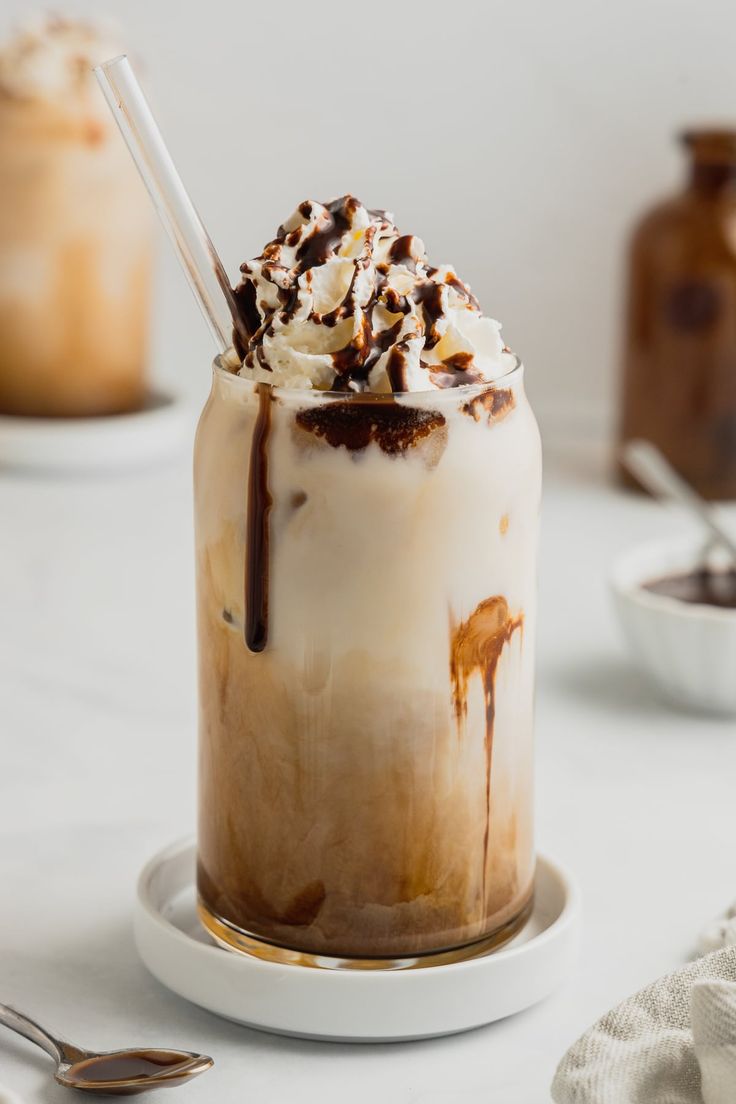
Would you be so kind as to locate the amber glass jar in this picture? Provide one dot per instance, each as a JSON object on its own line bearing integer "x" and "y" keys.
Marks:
{"x": 680, "y": 355}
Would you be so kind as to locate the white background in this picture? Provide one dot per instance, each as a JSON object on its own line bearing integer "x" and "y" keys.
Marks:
{"x": 519, "y": 139}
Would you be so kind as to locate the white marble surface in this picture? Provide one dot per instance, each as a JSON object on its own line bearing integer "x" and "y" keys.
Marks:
{"x": 98, "y": 771}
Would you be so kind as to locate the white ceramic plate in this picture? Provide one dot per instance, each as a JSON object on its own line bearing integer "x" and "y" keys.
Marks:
{"x": 92, "y": 444}
{"x": 350, "y": 1005}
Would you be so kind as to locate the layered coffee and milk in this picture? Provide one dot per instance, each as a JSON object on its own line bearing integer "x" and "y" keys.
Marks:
{"x": 367, "y": 479}
{"x": 74, "y": 232}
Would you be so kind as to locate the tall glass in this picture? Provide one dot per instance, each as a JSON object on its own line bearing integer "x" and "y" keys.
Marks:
{"x": 75, "y": 261}
{"x": 366, "y": 613}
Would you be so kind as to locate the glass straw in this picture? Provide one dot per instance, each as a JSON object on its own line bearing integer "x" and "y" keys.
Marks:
{"x": 197, "y": 255}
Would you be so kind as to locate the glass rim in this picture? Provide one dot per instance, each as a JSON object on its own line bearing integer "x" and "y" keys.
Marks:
{"x": 309, "y": 394}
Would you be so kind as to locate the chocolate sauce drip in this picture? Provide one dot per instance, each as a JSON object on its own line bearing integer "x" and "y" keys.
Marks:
{"x": 395, "y": 303}
{"x": 323, "y": 243}
{"x": 396, "y": 368}
{"x": 429, "y": 297}
{"x": 353, "y": 425}
{"x": 455, "y": 282}
{"x": 257, "y": 528}
{"x": 476, "y": 646}
{"x": 703, "y": 587}
{"x": 495, "y": 402}
{"x": 463, "y": 290}
{"x": 354, "y": 362}
{"x": 401, "y": 252}
{"x": 245, "y": 297}
{"x": 454, "y": 371}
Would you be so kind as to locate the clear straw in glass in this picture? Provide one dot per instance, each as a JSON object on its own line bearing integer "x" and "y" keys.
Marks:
{"x": 198, "y": 257}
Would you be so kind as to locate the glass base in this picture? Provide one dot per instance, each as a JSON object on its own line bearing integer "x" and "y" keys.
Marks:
{"x": 234, "y": 939}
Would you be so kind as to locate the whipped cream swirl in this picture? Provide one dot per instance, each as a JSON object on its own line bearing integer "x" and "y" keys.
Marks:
{"x": 340, "y": 300}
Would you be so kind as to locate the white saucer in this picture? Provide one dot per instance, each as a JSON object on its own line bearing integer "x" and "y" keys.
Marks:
{"x": 91, "y": 444}
{"x": 350, "y": 1005}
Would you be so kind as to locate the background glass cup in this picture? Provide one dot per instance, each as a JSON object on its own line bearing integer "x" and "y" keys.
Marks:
{"x": 75, "y": 260}
{"x": 366, "y": 777}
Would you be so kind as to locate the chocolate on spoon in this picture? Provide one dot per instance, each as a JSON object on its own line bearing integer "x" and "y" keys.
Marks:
{"x": 114, "y": 1072}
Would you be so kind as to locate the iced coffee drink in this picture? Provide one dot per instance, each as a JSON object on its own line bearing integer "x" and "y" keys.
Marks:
{"x": 367, "y": 480}
{"x": 74, "y": 233}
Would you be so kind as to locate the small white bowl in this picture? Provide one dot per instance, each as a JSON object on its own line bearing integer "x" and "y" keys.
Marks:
{"x": 688, "y": 649}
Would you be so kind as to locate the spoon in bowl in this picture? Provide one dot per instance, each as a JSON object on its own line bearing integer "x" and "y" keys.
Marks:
{"x": 657, "y": 475}
{"x": 112, "y": 1072}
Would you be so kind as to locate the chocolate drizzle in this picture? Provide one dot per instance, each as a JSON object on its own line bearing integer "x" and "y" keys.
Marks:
{"x": 323, "y": 243}
{"x": 432, "y": 301}
{"x": 405, "y": 251}
{"x": 391, "y": 277}
{"x": 354, "y": 362}
{"x": 397, "y": 368}
{"x": 455, "y": 371}
{"x": 257, "y": 528}
{"x": 245, "y": 298}
{"x": 476, "y": 647}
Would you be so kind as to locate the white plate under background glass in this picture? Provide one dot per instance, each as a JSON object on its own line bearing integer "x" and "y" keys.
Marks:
{"x": 116, "y": 441}
{"x": 350, "y": 1005}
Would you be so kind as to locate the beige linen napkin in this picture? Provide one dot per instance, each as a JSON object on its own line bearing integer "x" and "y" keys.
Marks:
{"x": 673, "y": 1042}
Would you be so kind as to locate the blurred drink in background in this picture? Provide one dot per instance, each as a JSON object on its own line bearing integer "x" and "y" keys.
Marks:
{"x": 75, "y": 248}
{"x": 680, "y": 355}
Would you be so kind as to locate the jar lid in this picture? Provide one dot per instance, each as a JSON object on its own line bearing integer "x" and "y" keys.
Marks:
{"x": 715, "y": 145}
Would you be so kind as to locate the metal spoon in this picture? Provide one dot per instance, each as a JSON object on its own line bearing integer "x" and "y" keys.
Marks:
{"x": 654, "y": 472}
{"x": 112, "y": 1072}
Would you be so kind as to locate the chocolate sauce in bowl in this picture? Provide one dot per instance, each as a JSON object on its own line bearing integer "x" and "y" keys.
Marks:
{"x": 702, "y": 587}
{"x": 257, "y": 528}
